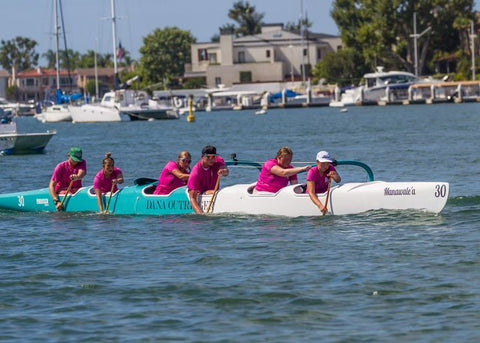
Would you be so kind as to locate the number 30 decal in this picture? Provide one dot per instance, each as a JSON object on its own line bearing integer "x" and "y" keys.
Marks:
{"x": 440, "y": 191}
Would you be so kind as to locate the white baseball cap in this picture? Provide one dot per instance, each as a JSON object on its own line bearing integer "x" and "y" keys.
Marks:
{"x": 323, "y": 156}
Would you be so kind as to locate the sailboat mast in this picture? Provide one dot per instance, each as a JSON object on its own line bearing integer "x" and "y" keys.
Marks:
{"x": 114, "y": 33}
{"x": 57, "y": 45}
{"x": 302, "y": 33}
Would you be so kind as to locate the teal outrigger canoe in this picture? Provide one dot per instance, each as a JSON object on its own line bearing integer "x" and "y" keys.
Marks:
{"x": 137, "y": 199}
{"x": 349, "y": 198}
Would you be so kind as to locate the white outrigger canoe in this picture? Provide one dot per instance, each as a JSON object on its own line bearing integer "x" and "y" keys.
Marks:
{"x": 291, "y": 201}
{"x": 350, "y": 198}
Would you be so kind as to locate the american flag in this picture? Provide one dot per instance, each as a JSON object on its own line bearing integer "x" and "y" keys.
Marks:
{"x": 120, "y": 51}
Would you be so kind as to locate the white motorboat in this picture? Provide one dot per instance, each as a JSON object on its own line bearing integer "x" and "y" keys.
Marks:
{"x": 95, "y": 113}
{"x": 12, "y": 142}
{"x": 138, "y": 105}
{"x": 17, "y": 107}
{"x": 54, "y": 114}
{"x": 378, "y": 86}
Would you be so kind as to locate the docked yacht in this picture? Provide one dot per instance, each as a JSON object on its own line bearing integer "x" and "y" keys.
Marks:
{"x": 106, "y": 111}
{"x": 378, "y": 86}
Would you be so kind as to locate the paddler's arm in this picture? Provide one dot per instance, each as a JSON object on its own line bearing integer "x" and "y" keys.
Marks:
{"x": 335, "y": 176}
{"x": 193, "y": 195}
{"x": 180, "y": 175}
{"x": 98, "y": 192}
{"x": 313, "y": 196}
{"x": 119, "y": 179}
{"x": 80, "y": 174}
{"x": 223, "y": 171}
{"x": 54, "y": 195}
{"x": 287, "y": 172}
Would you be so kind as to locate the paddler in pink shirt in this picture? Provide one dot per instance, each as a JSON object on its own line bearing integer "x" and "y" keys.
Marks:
{"x": 278, "y": 172}
{"x": 73, "y": 169}
{"x": 319, "y": 177}
{"x": 175, "y": 174}
{"x": 107, "y": 179}
{"x": 204, "y": 175}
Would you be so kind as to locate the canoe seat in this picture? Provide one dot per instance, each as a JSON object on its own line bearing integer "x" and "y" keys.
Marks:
{"x": 300, "y": 189}
{"x": 149, "y": 189}
{"x": 91, "y": 191}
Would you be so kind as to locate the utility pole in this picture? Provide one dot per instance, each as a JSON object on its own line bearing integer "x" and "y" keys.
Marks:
{"x": 415, "y": 37}
{"x": 472, "y": 38}
{"x": 302, "y": 33}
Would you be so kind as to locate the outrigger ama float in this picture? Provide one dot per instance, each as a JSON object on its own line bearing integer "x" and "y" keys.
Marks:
{"x": 291, "y": 201}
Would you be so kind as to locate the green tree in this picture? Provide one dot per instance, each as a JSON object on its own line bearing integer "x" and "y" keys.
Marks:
{"x": 164, "y": 55}
{"x": 67, "y": 61}
{"x": 88, "y": 60}
{"x": 18, "y": 54}
{"x": 50, "y": 57}
{"x": 341, "y": 68}
{"x": 380, "y": 31}
{"x": 296, "y": 27}
{"x": 248, "y": 20}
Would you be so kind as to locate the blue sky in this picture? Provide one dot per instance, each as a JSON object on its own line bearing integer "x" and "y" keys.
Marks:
{"x": 88, "y": 27}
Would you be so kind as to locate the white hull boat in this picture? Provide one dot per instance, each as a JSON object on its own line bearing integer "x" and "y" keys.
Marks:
{"x": 89, "y": 113}
{"x": 54, "y": 114}
{"x": 380, "y": 87}
{"x": 349, "y": 198}
{"x": 12, "y": 142}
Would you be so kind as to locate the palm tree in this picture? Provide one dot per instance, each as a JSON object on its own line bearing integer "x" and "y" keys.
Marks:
{"x": 249, "y": 21}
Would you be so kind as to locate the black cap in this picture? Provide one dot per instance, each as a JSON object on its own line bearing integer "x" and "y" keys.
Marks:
{"x": 209, "y": 150}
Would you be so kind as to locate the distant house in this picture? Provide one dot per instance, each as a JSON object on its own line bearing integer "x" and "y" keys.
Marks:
{"x": 274, "y": 55}
{"x": 106, "y": 78}
{"x": 39, "y": 84}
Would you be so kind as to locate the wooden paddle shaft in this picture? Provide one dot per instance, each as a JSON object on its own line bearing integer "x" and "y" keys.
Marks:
{"x": 66, "y": 193}
{"x": 217, "y": 185}
{"x": 328, "y": 195}
{"x": 110, "y": 198}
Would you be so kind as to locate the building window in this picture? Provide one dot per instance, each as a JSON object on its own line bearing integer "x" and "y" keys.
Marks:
{"x": 268, "y": 53}
{"x": 64, "y": 81}
{"x": 218, "y": 81}
{"x": 213, "y": 58}
{"x": 241, "y": 57}
{"x": 245, "y": 76}
{"x": 304, "y": 52}
{"x": 202, "y": 55}
{"x": 30, "y": 82}
{"x": 45, "y": 81}
{"x": 319, "y": 54}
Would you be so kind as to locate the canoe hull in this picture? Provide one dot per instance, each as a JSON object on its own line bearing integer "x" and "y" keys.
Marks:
{"x": 127, "y": 201}
{"x": 350, "y": 198}
{"x": 291, "y": 201}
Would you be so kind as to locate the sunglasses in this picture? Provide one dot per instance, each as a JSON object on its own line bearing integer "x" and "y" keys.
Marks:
{"x": 186, "y": 160}
{"x": 210, "y": 156}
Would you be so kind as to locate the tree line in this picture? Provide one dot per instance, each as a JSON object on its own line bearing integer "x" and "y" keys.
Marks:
{"x": 374, "y": 33}
{"x": 380, "y": 33}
